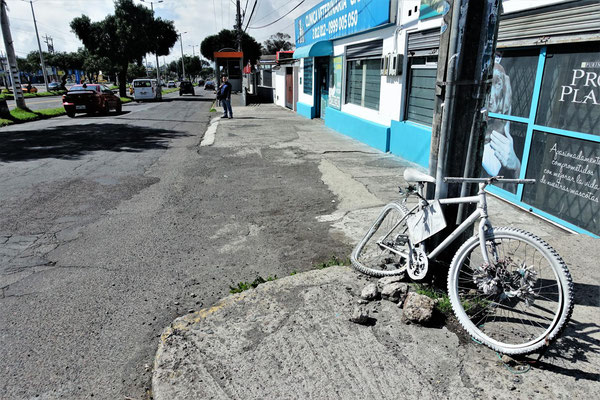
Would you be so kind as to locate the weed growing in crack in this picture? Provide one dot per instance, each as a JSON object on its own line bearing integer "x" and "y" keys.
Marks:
{"x": 242, "y": 286}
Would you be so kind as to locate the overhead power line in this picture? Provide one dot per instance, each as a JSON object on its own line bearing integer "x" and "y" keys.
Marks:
{"x": 251, "y": 14}
{"x": 278, "y": 19}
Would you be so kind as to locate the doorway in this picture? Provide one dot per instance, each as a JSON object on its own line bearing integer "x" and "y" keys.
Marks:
{"x": 289, "y": 88}
{"x": 322, "y": 87}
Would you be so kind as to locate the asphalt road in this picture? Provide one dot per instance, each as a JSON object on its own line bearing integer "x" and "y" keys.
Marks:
{"x": 37, "y": 103}
{"x": 111, "y": 227}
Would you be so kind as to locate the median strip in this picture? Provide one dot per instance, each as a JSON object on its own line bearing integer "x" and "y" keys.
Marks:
{"x": 19, "y": 115}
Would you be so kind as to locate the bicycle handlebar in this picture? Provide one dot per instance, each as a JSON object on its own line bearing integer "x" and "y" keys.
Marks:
{"x": 487, "y": 180}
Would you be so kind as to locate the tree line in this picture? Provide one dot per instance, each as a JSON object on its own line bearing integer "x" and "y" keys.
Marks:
{"x": 117, "y": 45}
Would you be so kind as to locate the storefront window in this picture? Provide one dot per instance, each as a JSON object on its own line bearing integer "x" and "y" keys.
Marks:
{"x": 308, "y": 75}
{"x": 567, "y": 171}
{"x": 503, "y": 150}
{"x": 421, "y": 89}
{"x": 363, "y": 83}
{"x": 570, "y": 93}
{"x": 513, "y": 81}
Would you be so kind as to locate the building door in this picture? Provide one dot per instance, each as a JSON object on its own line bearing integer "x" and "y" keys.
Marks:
{"x": 322, "y": 87}
{"x": 289, "y": 88}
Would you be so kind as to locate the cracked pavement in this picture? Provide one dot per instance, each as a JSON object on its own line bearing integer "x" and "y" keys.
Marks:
{"x": 111, "y": 227}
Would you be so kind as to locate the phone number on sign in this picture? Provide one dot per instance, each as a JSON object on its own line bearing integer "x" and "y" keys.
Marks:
{"x": 340, "y": 23}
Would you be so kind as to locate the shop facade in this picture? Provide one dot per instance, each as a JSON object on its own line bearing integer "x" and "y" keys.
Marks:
{"x": 376, "y": 82}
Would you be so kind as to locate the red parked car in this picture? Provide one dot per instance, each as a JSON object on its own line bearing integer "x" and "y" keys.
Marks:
{"x": 90, "y": 98}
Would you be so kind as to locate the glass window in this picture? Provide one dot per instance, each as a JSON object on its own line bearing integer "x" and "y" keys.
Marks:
{"x": 363, "y": 83}
{"x": 570, "y": 94}
{"x": 308, "y": 75}
{"x": 142, "y": 84}
{"x": 567, "y": 173}
{"x": 513, "y": 80}
{"x": 503, "y": 150}
{"x": 421, "y": 89}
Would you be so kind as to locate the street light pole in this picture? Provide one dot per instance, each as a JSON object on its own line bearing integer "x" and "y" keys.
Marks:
{"x": 193, "y": 46}
{"x": 182, "y": 63}
{"x": 37, "y": 35}
{"x": 158, "y": 86}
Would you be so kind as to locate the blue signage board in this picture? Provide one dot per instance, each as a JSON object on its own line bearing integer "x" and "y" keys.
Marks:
{"x": 332, "y": 19}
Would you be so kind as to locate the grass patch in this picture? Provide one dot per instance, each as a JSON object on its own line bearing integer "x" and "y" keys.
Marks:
{"x": 243, "y": 286}
{"x": 10, "y": 96}
{"x": 125, "y": 100}
{"x": 51, "y": 112}
{"x": 167, "y": 91}
{"x": 21, "y": 115}
{"x": 443, "y": 301}
{"x": 443, "y": 305}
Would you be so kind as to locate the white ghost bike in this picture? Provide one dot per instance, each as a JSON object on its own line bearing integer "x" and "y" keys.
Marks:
{"x": 508, "y": 288}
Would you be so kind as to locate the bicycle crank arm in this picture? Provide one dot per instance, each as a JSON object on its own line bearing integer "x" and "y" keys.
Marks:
{"x": 388, "y": 248}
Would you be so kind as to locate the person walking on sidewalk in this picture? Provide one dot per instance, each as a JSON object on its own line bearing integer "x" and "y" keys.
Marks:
{"x": 224, "y": 94}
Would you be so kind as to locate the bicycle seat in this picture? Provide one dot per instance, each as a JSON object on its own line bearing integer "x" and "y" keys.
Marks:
{"x": 412, "y": 175}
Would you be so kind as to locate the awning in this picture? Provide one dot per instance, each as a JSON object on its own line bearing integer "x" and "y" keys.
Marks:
{"x": 318, "y": 49}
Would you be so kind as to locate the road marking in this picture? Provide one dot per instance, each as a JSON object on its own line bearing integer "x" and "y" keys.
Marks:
{"x": 209, "y": 135}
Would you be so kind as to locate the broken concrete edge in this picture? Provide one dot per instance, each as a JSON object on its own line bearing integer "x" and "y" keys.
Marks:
{"x": 185, "y": 322}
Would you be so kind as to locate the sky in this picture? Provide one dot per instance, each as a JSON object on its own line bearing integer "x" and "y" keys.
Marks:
{"x": 199, "y": 18}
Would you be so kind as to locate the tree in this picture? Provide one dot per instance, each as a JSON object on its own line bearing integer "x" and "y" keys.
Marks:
{"x": 227, "y": 39}
{"x": 277, "y": 42}
{"x": 126, "y": 37}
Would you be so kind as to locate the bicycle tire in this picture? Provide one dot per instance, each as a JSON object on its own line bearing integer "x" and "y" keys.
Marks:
{"x": 370, "y": 258}
{"x": 486, "y": 303}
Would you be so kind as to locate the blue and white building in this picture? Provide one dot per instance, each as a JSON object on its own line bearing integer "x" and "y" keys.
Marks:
{"x": 368, "y": 69}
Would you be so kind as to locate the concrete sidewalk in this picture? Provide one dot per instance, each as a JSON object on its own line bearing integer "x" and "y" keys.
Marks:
{"x": 292, "y": 338}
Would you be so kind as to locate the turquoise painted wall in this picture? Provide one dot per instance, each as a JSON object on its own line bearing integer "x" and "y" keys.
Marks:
{"x": 375, "y": 135}
{"x": 305, "y": 110}
{"x": 411, "y": 142}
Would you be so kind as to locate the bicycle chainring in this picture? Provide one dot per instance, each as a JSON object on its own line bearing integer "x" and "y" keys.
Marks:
{"x": 419, "y": 264}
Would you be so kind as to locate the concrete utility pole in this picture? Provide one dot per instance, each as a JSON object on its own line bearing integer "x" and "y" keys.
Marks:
{"x": 37, "y": 35}
{"x": 465, "y": 67}
{"x": 182, "y": 63}
{"x": 238, "y": 25}
{"x": 11, "y": 58}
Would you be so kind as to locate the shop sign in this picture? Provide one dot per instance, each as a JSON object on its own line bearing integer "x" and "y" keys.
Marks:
{"x": 332, "y": 19}
{"x": 335, "y": 91}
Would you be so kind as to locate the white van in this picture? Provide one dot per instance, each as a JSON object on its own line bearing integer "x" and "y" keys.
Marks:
{"x": 146, "y": 89}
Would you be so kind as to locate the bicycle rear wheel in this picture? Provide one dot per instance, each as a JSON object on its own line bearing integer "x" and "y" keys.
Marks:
{"x": 519, "y": 303}
{"x": 385, "y": 248}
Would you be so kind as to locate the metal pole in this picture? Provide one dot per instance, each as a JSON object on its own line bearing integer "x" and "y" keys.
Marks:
{"x": 239, "y": 25}
{"x": 158, "y": 86}
{"x": 10, "y": 56}
{"x": 39, "y": 46}
{"x": 182, "y": 63}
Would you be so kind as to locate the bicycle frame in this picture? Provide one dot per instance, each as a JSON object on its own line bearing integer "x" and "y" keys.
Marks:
{"x": 480, "y": 213}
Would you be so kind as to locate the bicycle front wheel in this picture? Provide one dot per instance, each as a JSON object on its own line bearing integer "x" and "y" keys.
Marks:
{"x": 518, "y": 302}
{"x": 385, "y": 248}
